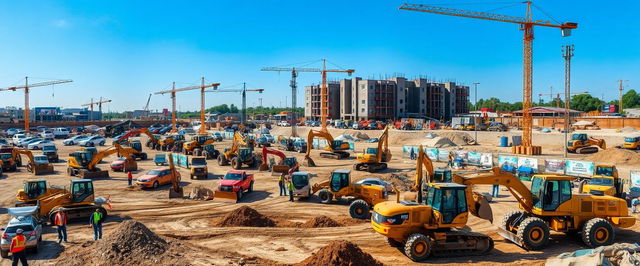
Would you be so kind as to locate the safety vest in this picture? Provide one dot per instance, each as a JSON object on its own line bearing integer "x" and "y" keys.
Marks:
{"x": 97, "y": 217}
{"x": 18, "y": 243}
{"x": 280, "y": 178}
{"x": 290, "y": 186}
{"x": 60, "y": 219}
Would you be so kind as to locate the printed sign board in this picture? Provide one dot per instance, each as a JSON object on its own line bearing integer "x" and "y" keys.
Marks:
{"x": 555, "y": 166}
{"x": 635, "y": 179}
{"x": 432, "y": 154}
{"x": 508, "y": 163}
{"x": 443, "y": 155}
{"x": 486, "y": 160}
{"x": 528, "y": 162}
{"x": 474, "y": 158}
{"x": 579, "y": 168}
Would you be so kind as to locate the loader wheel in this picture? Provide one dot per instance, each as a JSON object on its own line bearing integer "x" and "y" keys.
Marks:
{"x": 534, "y": 233}
{"x": 598, "y": 232}
{"x": 222, "y": 160}
{"x": 394, "y": 243}
{"x": 359, "y": 209}
{"x": 509, "y": 218}
{"x": 250, "y": 187}
{"x": 70, "y": 171}
{"x": 235, "y": 163}
{"x": 325, "y": 196}
{"x": 418, "y": 247}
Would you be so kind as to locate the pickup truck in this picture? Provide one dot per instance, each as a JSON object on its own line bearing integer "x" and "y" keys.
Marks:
{"x": 236, "y": 181}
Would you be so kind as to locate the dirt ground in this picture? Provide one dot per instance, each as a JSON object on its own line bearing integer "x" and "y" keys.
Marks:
{"x": 190, "y": 222}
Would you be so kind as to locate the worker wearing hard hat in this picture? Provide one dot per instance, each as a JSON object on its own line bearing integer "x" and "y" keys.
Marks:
{"x": 18, "y": 247}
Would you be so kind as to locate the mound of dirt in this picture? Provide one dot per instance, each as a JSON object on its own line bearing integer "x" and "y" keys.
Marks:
{"x": 627, "y": 130}
{"x": 360, "y": 135}
{"x": 340, "y": 253}
{"x": 458, "y": 138}
{"x": 320, "y": 221}
{"x": 201, "y": 193}
{"x": 615, "y": 156}
{"x": 245, "y": 216}
{"x": 439, "y": 142}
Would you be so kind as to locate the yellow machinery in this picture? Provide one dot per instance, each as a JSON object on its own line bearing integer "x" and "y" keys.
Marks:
{"x": 604, "y": 182}
{"x": 428, "y": 227}
{"x": 176, "y": 190}
{"x": 339, "y": 186}
{"x": 336, "y": 149}
{"x": 35, "y": 190}
{"x": 375, "y": 159}
{"x": 581, "y": 143}
{"x": 240, "y": 152}
{"x": 37, "y": 165}
{"x": 83, "y": 165}
{"x": 285, "y": 165}
{"x": 77, "y": 202}
{"x": 168, "y": 143}
{"x": 632, "y": 142}
{"x": 196, "y": 145}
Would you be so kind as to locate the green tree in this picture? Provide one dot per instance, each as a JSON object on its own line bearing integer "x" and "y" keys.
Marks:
{"x": 631, "y": 99}
{"x": 585, "y": 103}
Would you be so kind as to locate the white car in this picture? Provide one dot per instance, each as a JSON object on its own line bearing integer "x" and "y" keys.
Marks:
{"x": 93, "y": 141}
{"x": 61, "y": 133}
{"x": 284, "y": 124}
{"x": 40, "y": 159}
{"x": 74, "y": 140}
{"x": 26, "y": 141}
{"x": 388, "y": 187}
{"x": 38, "y": 145}
{"x": 17, "y": 138}
{"x": 47, "y": 135}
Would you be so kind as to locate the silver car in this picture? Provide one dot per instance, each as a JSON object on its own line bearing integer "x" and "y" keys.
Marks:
{"x": 376, "y": 182}
{"x": 22, "y": 218}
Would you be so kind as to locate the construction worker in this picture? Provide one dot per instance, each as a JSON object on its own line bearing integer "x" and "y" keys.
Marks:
{"x": 634, "y": 205}
{"x": 18, "y": 247}
{"x": 60, "y": 220}
{"x": 130, "y": 178}
{"x": 450, "y": 159}
{"x": 290, "y": 188}
{"x": 96, "y": 222}
{"x": 283, "y": 190}
{"x": 412, "y": 155}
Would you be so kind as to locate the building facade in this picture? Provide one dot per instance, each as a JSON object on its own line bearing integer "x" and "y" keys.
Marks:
{"x": 313, "y": 98}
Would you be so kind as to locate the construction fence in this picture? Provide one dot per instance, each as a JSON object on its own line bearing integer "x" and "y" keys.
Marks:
{"x": 318, "y": 143}
{"x": 558, "y": 122}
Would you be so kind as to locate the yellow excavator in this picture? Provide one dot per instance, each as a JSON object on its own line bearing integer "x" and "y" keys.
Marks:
{"x": 197, "y": 144}
{"x": 34, "y": 190}
{"x": 83, "y": 164}
{"x": 176, "y": 190}
{"x": 429, "y": 225}
{"x": 38, "y": 164}
{"x": 240, "y": 152}
{"x": 581, "y": 143}
{"x": 77, "y": 202}
{"x": 375, "y": 159}
{"x": 632, "y": 142}
{"x": 339, "y": 186}
{"x": 336, "y": 149}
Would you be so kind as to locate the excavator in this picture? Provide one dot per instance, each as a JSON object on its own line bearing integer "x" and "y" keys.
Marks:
{"x": 171, "y": 143}
{"x": 429, "y": 226}
{"x": 83, "y": 165}
{"x": 38, "y": 164}
{"x": 581, "y": 143}
{"x": 285, "y": 165}
{"x": 336, "y": 149}
{"x": 152, "y": 142}
{"x": 375, "y": 159}
{"x": 240, "y": 152}
{"x": 339, "y": 186}
{"x": 35, "y": 190}
{"x": 176, "y": 190}
{"x": 77, "y": 202}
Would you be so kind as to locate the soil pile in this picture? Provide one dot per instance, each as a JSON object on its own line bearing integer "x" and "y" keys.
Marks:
{"x": 201, "y": 193}
{"x": 340, "y": 253}
{"x": 439, "y": 142}
{"x": 245, "y": 216}
{"x": 400, "y": 180}
{"x": 615, "y": 156}
{"x": 458, "y": 138}
{"x": 320, "y": 221}
{"x": 627, "y": 130}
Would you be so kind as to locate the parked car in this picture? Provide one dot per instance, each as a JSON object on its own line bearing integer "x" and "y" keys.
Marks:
{"x": 12, "y": 131}
{"x": 217, "y": 136}
{"x": 262, "y": 141}
{"x": 155, "y": 178}
{"x": 4, "y": 142}
{"x": 269, "y": 138}
{"x": 51, "y": 152}
{"x": 41, "y": 128}
{"x": 118, "y": 165}
{"x": 93, "y": 141}
{"x": 74, "y": 140}
{"x": 61, "y": 133}
{"x": 38, "y": 145}
{"x": 376, "y": 182}
{"x": 497, "y": 126}
{"x": 24, "y": 143}
{"x": 22, "y": 218}
{"x": 47, "y": 134}
{"x": 164, "y": 130}
{"x": 187, "y": 131}
{"x": 17, "y": 138}
{"x": 284, "y": 124}
{"x": 481, "y": 127}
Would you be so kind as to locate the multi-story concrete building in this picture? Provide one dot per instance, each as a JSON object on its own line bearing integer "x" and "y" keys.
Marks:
{"x": 313, "y": 98}
{"x": 456, "y": 98}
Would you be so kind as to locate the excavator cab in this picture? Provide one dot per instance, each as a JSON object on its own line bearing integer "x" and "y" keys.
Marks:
{"x": 448, "y": 201}
{"x": 339, "y": 145}
{"x": 340, "y": 179}
{"x": 442, "y": 176}
{"x": 244, "y": 153}
{"x": 35, "y": 188}
{"x": 82, "y": 158}
{"x": 290, "y": 161}
{"x": 82, "y": 190}
{"x": 372, "y": 151}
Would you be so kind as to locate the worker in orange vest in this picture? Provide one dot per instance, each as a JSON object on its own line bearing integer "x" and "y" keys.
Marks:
{"x": 18, "y": 247}
{"x": 130, "y": 178}
{"x": 60, "y": 220}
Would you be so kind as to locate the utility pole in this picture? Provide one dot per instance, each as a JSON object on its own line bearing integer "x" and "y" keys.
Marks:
{"x": 475, "y": 105}
{"x": 567, "y": 53}
{"x": 294, "y": 89}
{"x": 621, "y": 89}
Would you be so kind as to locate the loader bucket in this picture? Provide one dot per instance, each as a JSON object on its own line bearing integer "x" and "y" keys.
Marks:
{"x": 93, "y": 174}
{"x": 226, "y": 196}
{"x": 43, "y": 169}
{"x": 308, "y": 162}
{"x": 483, "y": 209}
{"x": 176, "y": 194}
{"x": 263, "y": 166}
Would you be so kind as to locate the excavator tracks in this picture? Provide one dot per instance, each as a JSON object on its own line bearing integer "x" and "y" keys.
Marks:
{"x": 461, "y": 243}
{"x": 334, "y": 155}
{"x": 587, "y": 150}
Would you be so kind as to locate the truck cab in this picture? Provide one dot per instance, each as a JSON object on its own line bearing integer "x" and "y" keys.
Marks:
{"x": 198, "y": 167}
{"x": 301, "y": 186}
{"x": 632, "y": 142}
{"x": 234, "y": 184}
{"x": 604, "y": 182}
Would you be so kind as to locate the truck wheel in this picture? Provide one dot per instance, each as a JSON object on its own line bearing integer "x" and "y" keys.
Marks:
{"x": 325, "y": 196}
{"x": 359, "y": 209}
{"x": 417, "y": 247}
{"x": 70, "y": 171}
{"x": 509, "y": 218}
{"x": 250, "y": 187}
{"x": 235, "y": 163}
{"x": 598, "y": 232}
{"x": 239, "y": 195}
{"x": 393, "y": 243}
{"x": 534, "y": 233}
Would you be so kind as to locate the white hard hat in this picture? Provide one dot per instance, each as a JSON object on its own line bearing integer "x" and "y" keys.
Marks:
{"x": 19, "y": 231}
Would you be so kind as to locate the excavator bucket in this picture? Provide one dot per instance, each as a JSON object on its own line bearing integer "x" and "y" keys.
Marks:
{"x": 226, "y": 196}
{"x": 308, "y": 162}
{"x": 176, "y": 194}
{"x": 263, "y": 166}
{"x": 482, "y": 207}
{"x": 41, "y": 169}
{"x": 83, "y": 173}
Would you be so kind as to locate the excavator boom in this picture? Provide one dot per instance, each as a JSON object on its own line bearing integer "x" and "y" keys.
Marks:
{"x": 334, "y": 152}
{"x": 32, "y": 166}
{"x": 495, "y": 176}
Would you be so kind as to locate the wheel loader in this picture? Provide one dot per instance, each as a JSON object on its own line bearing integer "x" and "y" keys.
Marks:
{"x": 83, "y": 165}
{"x": 38, "y": 164}
{"x": 35, "y": 190}
{"x": 375, "y": 159}
{"x": 196, "y": 145}
{"x": 581, "y": 143}
{"x": 77, "y": 202}
{"x": 240, "y": 152}
{"x": 339, "y": 186}
{"x": 336, "y": 149}
{"x": 604, "y": 182}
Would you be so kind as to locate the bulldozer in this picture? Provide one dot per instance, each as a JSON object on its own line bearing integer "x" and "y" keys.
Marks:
{"x": 83, "y": 165}
{"x": 339, "y": 186}
{"x": 336, "y": 149}
{"x": 285, "y": 165}
{"x": 196, "y": 145}
{"x": 176, "y": 190}
{"x": 581, "y": 143}
{"x": 8, "y": 162}
{"x": 33, "y": 191}
{"x": 375, "y": 159}
{"x": 604, "y": 182}
{"x": 38, "y": 164}
{"x": 240, "y": 152}
{"x": 632, "y": 142}
{"x": 77, "y": 202}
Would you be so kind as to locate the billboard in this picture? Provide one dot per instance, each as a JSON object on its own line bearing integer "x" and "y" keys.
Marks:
{"x": 508, "y": 163}
{"x": 555, "y": 166}
{"x": 579, "y": 168}
{"x": 528, "y": 162}
{"x": 432, "y": 154}
{"x": 635, "y": 179}
{"x": 443, "y": 155}
{"x": 486, "y": 159}
{"x": 474, "y": 158}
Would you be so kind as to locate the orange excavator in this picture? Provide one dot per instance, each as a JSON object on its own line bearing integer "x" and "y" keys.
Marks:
{"x": 336, "y": 149}
{"x": 151, "y": 142}
{"x": 83, "y": 164}
{"x": 285, "y": 165}
{"x": 38, "y": 164}
{"x": 176, "y": 190}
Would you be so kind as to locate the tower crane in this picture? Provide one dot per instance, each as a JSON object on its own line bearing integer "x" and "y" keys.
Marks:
{"x": 146, "y": 106}
{"x": 173, "y": 91}
{"x": 526, "y": 25}
{"x": 98, "y": 103}
{"x": 324, "y": 92}
{"x": 244, "y": 91}
{"x": 26, "y": 88}
{"x": 558, "y": 96}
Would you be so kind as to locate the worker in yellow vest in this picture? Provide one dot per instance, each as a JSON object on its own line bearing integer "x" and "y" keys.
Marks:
{"x": 18, "y": 247}
{"x": 96, "y": 222}
{"x": 281, "y": 184}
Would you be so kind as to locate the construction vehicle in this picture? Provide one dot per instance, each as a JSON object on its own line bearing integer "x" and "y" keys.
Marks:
{"x": 240, "y": 152}
{"x": 604, "y": 182}
{"x": 137, "y": 145}
{"x": 9, "y": 162}
{"x": 33, "y": 191}
{"x": 152, "y": 140}
{"x": 301, "y": 187}
{"x": 198, "y": 167}
{"x": 176, "y": 190}
{"x": 38, "y": 164}
{"x": 375, "y": 159}
{"x": 286, "y": 164}
{"x": 337, "y": 149}
{"x": 339, "y": 186}
{"x": 83, "y": 165}
{"x": 581, "y": 143}
{"x": 233, "y": 185}
{"x": 171, "y": 143}
{"x": 51, "y": 152}
{"x": 196, "y": 145}
{"x": 77, "y": 202}
{"x": 632, "y": 142}
{"x": 292, "y": 144}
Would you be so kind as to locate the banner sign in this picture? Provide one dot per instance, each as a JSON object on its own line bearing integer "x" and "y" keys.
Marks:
{"x": 528, "y": 163}
{"x": 474, "y": 158}
{"x": 635, "y": 179}
{"x": 432, "y": 154}
{"x": 486, "y": 159}
{"x": 406, "y": 151}
{"x": 508, "y": 163}
{"x": 579, "y": 168}
{"x": 443, "y": 155}
{"x": 460, "y": 155}
{"x": 555, "y": 166}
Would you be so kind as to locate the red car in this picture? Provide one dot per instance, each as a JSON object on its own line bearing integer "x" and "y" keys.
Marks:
{"x": 235, "y": 183}
{"x": 122, "y": 165}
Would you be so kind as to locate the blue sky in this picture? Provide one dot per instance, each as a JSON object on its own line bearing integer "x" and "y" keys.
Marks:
{"x": 124, "y": 50}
